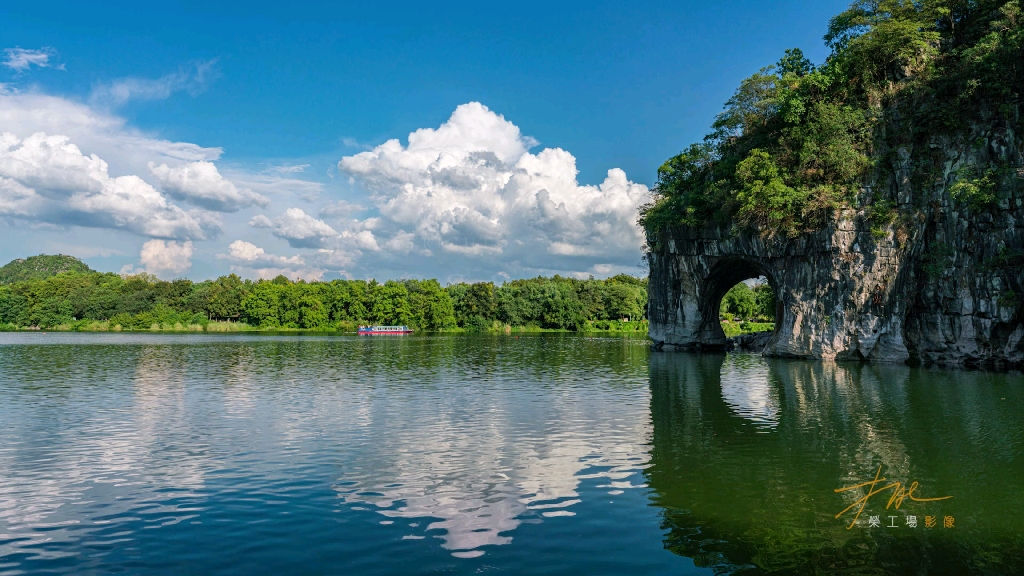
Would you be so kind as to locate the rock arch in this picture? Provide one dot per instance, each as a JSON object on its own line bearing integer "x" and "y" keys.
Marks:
{"x": 840, "y": 293}
{"x": 724, "y": 273}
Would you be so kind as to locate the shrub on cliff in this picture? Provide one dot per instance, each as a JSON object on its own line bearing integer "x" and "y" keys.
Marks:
{"x": 796, "y": 142}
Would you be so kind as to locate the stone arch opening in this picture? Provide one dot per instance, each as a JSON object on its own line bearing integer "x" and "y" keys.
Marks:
{"x": 720, "y": 279}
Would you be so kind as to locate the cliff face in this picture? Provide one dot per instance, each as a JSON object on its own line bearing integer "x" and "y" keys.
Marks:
{"x": 943, "y": 284}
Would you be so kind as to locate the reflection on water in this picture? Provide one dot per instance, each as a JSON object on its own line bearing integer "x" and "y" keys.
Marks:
{"x": 487, "y": 458}
{"x": 745, "y": 388}
{"x": 446, "y": 444}
{"x": 741, "y": 500}
{"x": 464, "y": 454}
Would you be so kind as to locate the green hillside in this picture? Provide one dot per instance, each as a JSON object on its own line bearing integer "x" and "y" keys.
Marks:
{"x": 40, "y": 267}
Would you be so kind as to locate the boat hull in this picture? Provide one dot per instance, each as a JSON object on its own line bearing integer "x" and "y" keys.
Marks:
{"x": 393, "y": 331}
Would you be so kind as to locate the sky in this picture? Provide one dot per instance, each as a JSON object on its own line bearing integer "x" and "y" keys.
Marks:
{"x": 462, "y": 142}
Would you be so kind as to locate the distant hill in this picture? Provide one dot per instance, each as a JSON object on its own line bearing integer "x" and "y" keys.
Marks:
{"x": 40, "y": 267}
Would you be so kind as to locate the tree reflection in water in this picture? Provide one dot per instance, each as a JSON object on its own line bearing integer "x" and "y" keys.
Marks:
{"x": 747, "y": 454}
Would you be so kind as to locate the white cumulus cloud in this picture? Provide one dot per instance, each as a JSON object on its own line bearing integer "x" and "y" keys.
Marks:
{"x": 471, "y": 188}
{"x": 250, "y": 260}
{"x": 126, "y": 149}
{"x": 97, "y": 173}
{"x": 300, "y": 229}
{"x": 249, "y": 253}
{"x": 294, "y": 274}
{"x": 166, "y": 259}
{"x": 200, "y": 183}
{"x": 473, "y": 197}
{"x": 336, "y": 259}
{"x": 47, "y": 178}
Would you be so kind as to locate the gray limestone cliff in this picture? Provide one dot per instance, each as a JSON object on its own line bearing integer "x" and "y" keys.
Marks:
{"x": 942, "y": 284}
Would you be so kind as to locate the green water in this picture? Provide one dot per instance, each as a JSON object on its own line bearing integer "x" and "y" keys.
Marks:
{"x": 467, "y": 454}
{"x": 747, "y": 454}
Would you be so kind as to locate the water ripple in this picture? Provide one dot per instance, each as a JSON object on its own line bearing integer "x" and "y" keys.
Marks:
{"x": 242, "y": 445}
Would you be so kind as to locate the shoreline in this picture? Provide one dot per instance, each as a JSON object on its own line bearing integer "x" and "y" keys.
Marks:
{"x": 215, "y": 327}
{"x": 731, "y": 329}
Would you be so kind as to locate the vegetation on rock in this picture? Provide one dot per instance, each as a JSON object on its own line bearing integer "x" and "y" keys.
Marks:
{"x": 798, "y": 142}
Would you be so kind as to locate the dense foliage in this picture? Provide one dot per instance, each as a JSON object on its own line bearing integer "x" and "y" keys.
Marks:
{"x": 132, "y": 302}
{"x": 745, "y": 303}
{"x": 564, "y": 303}
{"x": 796, "y": 142}
{"x": 142, "y": 301}
{"x": 40, "y": 267}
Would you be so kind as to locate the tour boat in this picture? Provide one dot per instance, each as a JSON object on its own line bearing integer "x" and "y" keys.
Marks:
{"x": 379, "y": 330}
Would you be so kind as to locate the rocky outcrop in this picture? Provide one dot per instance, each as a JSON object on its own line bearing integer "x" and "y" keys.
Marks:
{"x": 755, "y": 342}
{"x": 941, "y": 285}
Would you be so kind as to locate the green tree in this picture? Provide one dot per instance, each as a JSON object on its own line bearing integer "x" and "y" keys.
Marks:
{"x": 625, "y": 301}
{"x": 40, "y": 267}
{"x": 139, "y": 301}
{"x": 226, "y": 294}
{"x": 51, "y": 311}
{"x": 391, "y": 304}
{"x": 591, "y": 294}
{"x": 475, "y": 304}
{"x": 261, "y": 306}
{"x": 739, "y": 301}
{"x": 520, "y": 303}
{"x": 431, "y": 307}
{"x": 765, "y": 298}
{"x": 562, "y": 307}
{"x": 312, "y": 311}
{"x": 13, "y": 307}
{"x": 361, "y": 300}
{"x": 102, "y": 302}
{"x": 765, "y": 201}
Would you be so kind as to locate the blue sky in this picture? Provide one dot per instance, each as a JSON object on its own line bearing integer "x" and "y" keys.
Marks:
{"x": 252, "y": 138}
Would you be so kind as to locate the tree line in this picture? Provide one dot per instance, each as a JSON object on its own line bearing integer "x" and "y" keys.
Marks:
{"x": 77, "y": 300}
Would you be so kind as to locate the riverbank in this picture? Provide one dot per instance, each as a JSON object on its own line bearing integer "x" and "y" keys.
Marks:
{"x": 732, "y": 329}
{"x": 601, "y": 326}
{"x": 106, "y": 326}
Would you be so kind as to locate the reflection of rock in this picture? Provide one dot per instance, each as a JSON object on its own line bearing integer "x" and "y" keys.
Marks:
{"x": 735, "y": 498}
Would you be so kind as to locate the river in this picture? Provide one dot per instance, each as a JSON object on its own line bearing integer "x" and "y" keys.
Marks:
{"x": 551, "y": 453}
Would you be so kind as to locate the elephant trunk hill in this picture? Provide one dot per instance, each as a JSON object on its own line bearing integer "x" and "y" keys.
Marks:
{"x": 880, "y": 195}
